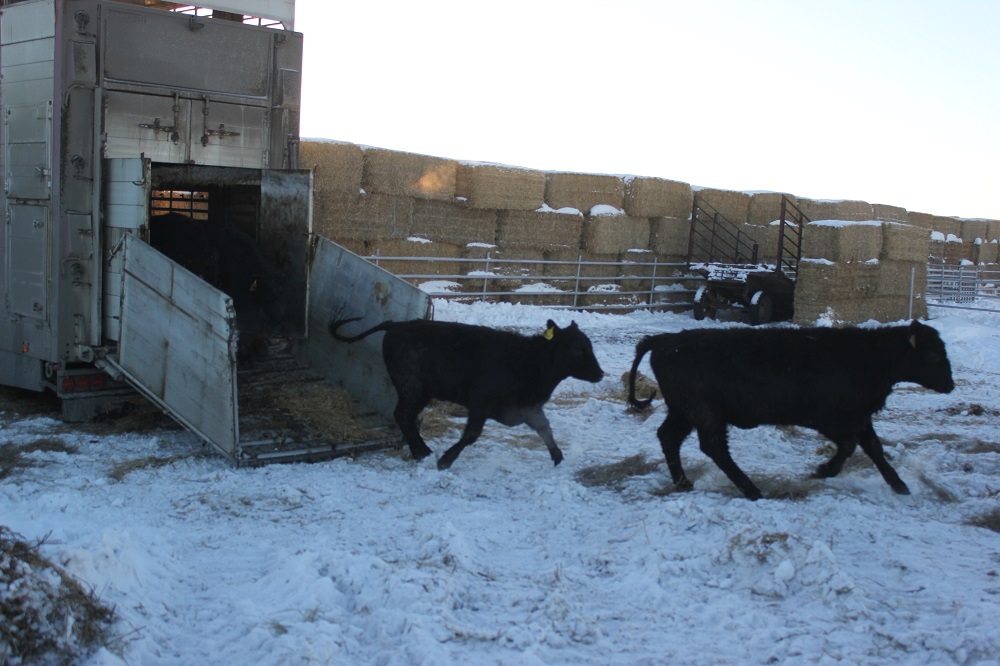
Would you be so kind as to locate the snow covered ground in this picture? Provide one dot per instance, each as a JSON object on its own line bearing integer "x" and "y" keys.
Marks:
{"x": 506, "y": 559}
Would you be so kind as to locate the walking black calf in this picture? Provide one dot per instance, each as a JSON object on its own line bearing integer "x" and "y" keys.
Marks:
{"x": 497, "y": 375}
{"x": 830, "y": 380}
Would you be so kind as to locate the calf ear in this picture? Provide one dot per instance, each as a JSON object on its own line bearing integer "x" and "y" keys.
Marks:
{"x": 915, "y": 329}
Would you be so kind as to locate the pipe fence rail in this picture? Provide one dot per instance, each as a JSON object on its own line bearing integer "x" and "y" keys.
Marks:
{"x": 577, "y": 285}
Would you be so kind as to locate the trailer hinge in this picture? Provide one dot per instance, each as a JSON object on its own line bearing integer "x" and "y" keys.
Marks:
{"x": 157, "y": 127}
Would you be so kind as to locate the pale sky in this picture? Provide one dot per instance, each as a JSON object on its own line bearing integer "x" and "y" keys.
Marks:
{"x": 888, "y": 101}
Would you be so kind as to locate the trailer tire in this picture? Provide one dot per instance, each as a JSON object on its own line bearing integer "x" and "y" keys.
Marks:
{"x": 761, "y": 308}
{"x": 701, "y": 307}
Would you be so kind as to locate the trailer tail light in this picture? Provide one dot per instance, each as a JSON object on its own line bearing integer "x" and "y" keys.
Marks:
{"x": 80, "y": 383}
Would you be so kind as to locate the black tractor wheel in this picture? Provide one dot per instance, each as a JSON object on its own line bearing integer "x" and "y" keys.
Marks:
{"x": 761, "y": 308}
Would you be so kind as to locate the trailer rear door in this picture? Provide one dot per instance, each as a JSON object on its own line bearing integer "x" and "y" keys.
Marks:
{"x": 177, "y": 344}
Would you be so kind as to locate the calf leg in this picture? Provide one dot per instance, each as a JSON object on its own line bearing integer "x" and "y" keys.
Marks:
{"x": 871, "y": 445}
{"x": 715, "y": 444}
{"x": 473, "y": 428}
{"x": 672, "y": 434}
{"x": 406, "y": 414}
{"x": 538, "y": 422}
{"x": 845, "y": 447}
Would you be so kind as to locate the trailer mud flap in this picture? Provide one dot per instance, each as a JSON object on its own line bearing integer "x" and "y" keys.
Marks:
{"x": 177, "y": 344}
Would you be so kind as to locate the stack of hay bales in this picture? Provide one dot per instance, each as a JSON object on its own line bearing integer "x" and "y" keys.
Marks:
{"x": 732, "y": 205}
{"x": 337, "y": 167}
{"x": 853, "y": 272}
{"x": 583, "y": 191}
{"x": 608, "y": 235}
{"x": 846, "y": 211}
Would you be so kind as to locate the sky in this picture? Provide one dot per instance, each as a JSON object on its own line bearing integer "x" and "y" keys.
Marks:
{"x": 887, "y": 101}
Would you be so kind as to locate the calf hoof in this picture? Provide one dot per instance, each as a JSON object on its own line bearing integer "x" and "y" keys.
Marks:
{"x": 420, "y": 454}
{"x": 683, "y": 485}
{"x": 901, "y": 488}
{"x": 557, "y": 457}
{"x": 444, "y": 463}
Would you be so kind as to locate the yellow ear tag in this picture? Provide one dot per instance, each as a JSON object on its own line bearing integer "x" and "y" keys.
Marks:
{"x": 549, "y": 333}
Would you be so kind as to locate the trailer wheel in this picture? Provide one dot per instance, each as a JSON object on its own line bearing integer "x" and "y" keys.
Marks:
{"x": 761, "y": 308}
{"x": 701, "y": 306}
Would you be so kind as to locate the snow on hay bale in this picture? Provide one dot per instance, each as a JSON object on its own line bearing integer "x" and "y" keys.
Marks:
{"x": 542, "y": 229}
{"x": 656, "y": 197}
{"x": 837, "y": 240}
{"x": 765, "y": 207}
{"x": 732, "y": 205}
{"x": 905, "y": 242}
{"x": 971, "y": 230}
{"x": 409, "y": 174}
{"x": 499, "y": 187}
{"x": 886, "y": 213}
{"x": 609, "y": 230}
{"x": 446, "y": 222}
{"x": 370, "y": 217}
{"x": 945, "y": 225}
{"x": 669, "y": 237}
{"x": 583, "y": 191}
{"x": 337, "y": 166}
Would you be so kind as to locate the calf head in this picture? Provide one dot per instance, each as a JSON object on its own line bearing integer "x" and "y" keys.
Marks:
{"x": 572, "y": 352}
{"x": 927, "y": 360}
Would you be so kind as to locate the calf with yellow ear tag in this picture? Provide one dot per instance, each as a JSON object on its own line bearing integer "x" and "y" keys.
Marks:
{"x": 498, "y": 375}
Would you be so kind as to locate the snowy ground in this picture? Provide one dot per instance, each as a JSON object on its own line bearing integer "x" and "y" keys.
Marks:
{"x": 506, "y": 559}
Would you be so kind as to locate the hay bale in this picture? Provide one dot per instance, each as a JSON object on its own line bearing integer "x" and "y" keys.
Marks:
{"x": 543, "y": 229}
{"x": 944, "y": 225}
{"x": 583, "y": 191}
{"x": 656, "y": 197}
{"x": 433, "y": 257}
{"x": 824, "y": 209}
{"x": 904, "y": 242}
{"x": 610, "y": 231}
{"x": 447, "y": 222}
{"x": 993, "y": 230}
{"x": 732, "y": 205}
{"x": 840, "y": 288}
{"x": 370, "y": 217}
{"x": 766, "y": 238}
{"x": 984, "y": 253}
{"x": 894, "y": 278}
{"x": 765, "y": 207}
{"x": 837, "y": 241}
{"x": 885, "y": 213}
{"x": 972, "y": 230}
{"x": 337, "y": 166}
{"x": 408, "y": 174}
{"x": 499, "y": 187}
{"x": 669, "y": 237}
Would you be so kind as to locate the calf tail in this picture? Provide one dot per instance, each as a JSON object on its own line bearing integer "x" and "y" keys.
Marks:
{"x": 337, "y": 323}
{"x": 640, "y": 351}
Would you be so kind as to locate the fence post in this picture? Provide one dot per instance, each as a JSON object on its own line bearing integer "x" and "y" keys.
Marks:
{"x": 377, "y": 253}
{"x": 486, "y": 278}
{"x": 652, "y": 283}
{"x": 913, "y": 278}
{"x": 576, "y": 288}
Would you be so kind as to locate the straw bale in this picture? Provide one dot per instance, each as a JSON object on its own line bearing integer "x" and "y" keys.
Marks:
{"x": 601, "y": 269}
{"x": 904, "y": 242}
{"x": 887, "y": 213}
{"x": 373, "y": 216}
{"x": 614, "y": 234}
{"x": 940, "y": 223}
{"x": 500, "y": 187}
{"x": 669, "y": 237}
{"x": 973, "y": 229}
{"x": 850, "y": 211}
{"x": 404, "y": 247}
{"x": 984, "y": 253}
{"x": 894, "y": 277}
{"x": 337, "y": 166}
{"x": 657, "y": 197}
{"x": 993, "y": 229}
{"x": 950, "y": 253}
{"x": 823, "y": 282}
{"x": 583, "y": 191}
{"x": 539, "y": 230}
{"x": 765, "y": 207}
{"x": 409, "y": 174}
{"x": 732, "y": 205}
{"x": 766, "y": 237}
{"x": 446, "y": 222}
{"x": 842, "y": 242}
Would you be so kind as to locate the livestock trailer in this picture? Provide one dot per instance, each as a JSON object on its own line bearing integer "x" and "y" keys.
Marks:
{"x": 735, "y": 276}
{"x": 117, "y": 114}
